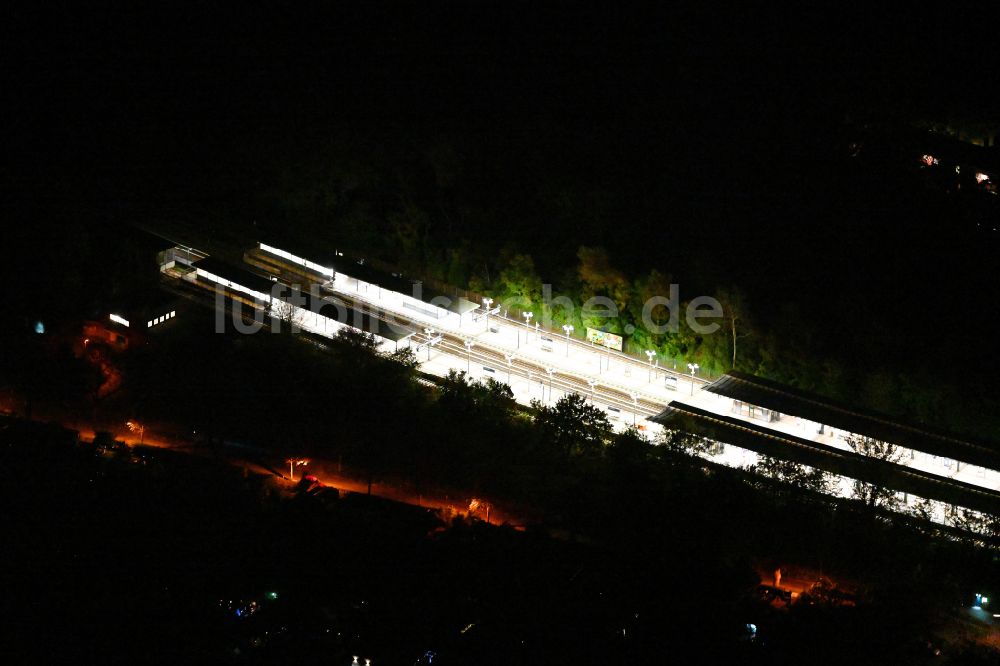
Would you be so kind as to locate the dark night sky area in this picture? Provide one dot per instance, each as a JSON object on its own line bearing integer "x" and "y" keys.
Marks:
{"x": 90, "y": 84}
{"x": 121, "y": 89}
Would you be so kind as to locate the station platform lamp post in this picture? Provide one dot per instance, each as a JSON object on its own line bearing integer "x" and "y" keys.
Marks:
{"x": 469, "y": 344}
{"x": 693, "y": 367}
{"x": 510, "y": 358}
{"x": 487, "y": 302}
{"x": 432, "y": 340}
{"x": 569, "y": 329}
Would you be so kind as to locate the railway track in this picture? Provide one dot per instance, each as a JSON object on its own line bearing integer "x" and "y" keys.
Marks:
{"x": 623, "y": 399}
{"x": 495, "y": 358}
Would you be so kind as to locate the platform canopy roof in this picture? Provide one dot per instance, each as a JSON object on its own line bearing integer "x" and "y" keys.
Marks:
{"x": 361, "y": 270}
{"x": 235, "y": 274}
{"x": 795, "y": 402}
{"x": 758, "y": 438}
{"x": 403, "y": 285}
{"x": 339, "y": 311}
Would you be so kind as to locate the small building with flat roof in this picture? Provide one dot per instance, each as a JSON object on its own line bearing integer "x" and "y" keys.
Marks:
{"x": 130, "y": 319}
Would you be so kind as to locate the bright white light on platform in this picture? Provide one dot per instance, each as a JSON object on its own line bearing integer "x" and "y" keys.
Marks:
{"x": 322, "y": 270}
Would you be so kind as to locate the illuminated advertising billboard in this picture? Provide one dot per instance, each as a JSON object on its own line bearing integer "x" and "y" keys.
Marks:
{"x": 604, "y": 339}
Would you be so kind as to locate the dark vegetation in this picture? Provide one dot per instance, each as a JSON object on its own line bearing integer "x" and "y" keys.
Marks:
{"x": 119, "y": 554}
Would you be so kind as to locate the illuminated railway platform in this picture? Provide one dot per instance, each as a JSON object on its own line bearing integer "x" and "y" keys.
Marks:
{"x": 396, "y": 295}
{"x": 818, "y": 419}
{"x": 315, "y": 313}
{"x": 749, "y": 417}
{"x": 745, "y": 416}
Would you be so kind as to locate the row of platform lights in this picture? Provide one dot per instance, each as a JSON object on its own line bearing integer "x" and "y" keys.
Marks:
{"x": 510, "y": 358}
{"x": 567, "y": 328}
{"x": 487, "y": 302}
{"x": 433, "y": 339}
{"x": 469, "y": 344}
